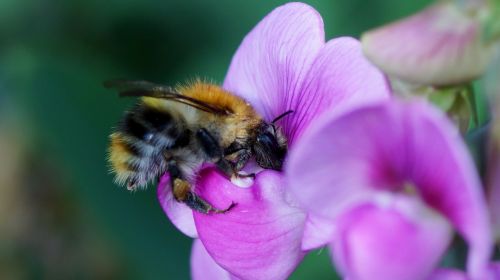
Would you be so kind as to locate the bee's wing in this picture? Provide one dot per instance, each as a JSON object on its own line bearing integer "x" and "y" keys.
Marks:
{"x": 145, "y": 88}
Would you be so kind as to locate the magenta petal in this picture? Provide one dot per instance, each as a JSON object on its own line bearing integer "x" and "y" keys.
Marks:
{"x": 397, "y": 238}
{"x": 260, "y": 237}
{"x": 273, "y": 59}
{"x": 203, "y": 267}
{"x": 340, "y": 79}
{"x": 178, "y": 213}
{"x": 403, "y": 147}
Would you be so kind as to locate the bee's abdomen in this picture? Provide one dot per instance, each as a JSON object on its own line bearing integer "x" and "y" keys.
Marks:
{"x": 144, "y": 136}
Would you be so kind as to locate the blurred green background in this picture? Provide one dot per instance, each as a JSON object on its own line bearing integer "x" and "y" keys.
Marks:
{"x": 61, "y": 216}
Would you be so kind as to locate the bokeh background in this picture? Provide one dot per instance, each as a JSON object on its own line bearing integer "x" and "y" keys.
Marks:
{"x": 61, "y": 216}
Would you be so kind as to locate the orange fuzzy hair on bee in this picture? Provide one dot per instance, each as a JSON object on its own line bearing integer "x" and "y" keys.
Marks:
{"x": 212, "y": 94}
{"x": 119, "y": 156}
{"x": 241, "y": 117}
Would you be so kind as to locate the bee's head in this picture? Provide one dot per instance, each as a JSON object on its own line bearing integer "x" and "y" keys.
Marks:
{"x": 270, "y": 145}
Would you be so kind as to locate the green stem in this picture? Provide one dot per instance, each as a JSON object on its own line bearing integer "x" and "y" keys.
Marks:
{"x": 491, "y": 24}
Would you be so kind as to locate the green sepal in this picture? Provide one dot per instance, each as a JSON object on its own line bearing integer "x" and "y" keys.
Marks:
{"x": 459, "y": 104}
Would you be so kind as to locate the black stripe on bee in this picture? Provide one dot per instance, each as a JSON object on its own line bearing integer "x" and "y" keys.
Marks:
{"x": 157, "y": 120}
{"x": 145, "y": 123}
{"x": 134, "y": 127}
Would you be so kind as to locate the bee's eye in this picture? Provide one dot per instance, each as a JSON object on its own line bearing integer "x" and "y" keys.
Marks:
{"x": 268, "y": 152}
{"x": 267, "y": 139}
{"x": 267, "y": 142}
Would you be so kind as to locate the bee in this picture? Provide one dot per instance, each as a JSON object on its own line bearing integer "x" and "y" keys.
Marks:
{"x": 177, "y": 130}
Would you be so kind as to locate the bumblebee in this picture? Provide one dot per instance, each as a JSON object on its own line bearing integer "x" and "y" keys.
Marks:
{"x": 177, "y": 130}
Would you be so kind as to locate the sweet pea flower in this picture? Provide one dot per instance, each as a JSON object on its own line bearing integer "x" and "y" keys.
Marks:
{"x": 393, "y": 180}
{"x": 445, "y": 44}
{"x": 283, "y": 64}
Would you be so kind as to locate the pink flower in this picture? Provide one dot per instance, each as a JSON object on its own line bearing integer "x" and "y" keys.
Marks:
{"x": 282, "y": 64}
{"x": 392, "y": 180}
{"x": 441, "y": 45}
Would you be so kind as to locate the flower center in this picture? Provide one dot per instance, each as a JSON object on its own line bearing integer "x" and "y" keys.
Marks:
{"x": 409, "y": 189}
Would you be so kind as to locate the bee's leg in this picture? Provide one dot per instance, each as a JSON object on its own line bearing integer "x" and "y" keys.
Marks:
{"x": 239, "y": 154}
{"x": 230, "y": 170}
{"x": 197, "y": 203}
{"x": 209, "y": 144}
{"x": 242, "y": 159}
{"x": 183, "y": 192}
{"x": 227, "y": 168}
{"x": 233, "y": 148}
{"x": 215, "y": 152}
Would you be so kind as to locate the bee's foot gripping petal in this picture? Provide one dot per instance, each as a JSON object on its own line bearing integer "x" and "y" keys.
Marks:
{"x": 200, "y": 205}
{"x": 222, "y": 211}
{"x": 243, "y": 175}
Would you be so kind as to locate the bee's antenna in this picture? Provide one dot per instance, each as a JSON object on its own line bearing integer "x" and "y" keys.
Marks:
{"x": 282, "y": 116}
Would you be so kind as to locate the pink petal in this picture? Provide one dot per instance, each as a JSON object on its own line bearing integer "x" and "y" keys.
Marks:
{"x": 203, "y": 267}
{"x": 260, "y": 237}
{"x": 494, "y": 270}
{"x": 449, "y": 182}
{"x": 339, "y": 80}
{"x": 398, "y": 239}
{"x": 273, "y": 59}
{"x": 284, "y": 64}
{"x": 317, "y": 232}
{"x": 448, "y": 274}
{"x": 440, "y": 45}
{"x": 403, "y": 147}
{"x": 179, "y": 214}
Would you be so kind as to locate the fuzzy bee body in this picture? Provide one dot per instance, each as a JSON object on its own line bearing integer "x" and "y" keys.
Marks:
{"x": 177, "y": 131}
